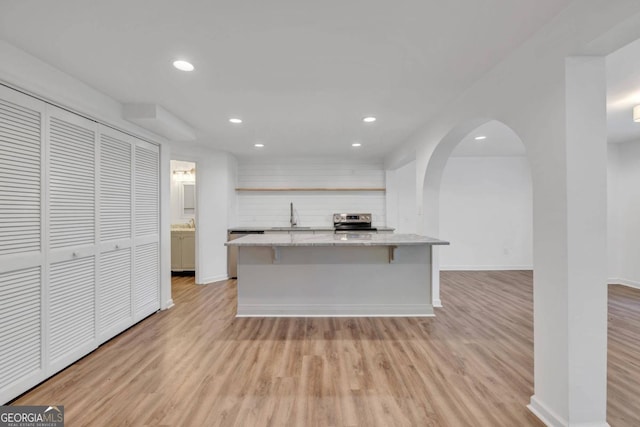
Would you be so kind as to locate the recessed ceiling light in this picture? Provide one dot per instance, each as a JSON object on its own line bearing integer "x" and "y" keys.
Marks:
{"x": 235, "y": 120}
{"x": 183, "y": 65}
{"x": 258, "y": 145}
{"x": 356, "y": 144}
{"x": 480, "y": 138}
{"x": 369, "y": 119}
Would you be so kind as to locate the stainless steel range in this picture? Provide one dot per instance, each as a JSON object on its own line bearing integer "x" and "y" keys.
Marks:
{"x": 350, "y": 222}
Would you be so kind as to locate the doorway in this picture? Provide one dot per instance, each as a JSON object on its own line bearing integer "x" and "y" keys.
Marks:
{"x": 183, "y": 217}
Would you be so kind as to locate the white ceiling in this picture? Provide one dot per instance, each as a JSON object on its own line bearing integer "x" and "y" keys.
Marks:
{"x": 301, "y": 74}
{"x": 501, "y": 141}
{"x": 623, "y": 93}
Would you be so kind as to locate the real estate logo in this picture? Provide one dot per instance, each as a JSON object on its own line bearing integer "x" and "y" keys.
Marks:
{"x": 31, "y": 416}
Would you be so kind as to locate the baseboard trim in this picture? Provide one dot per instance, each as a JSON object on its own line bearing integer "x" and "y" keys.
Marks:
{"x": 167, "y": 305}
{"x": 212, "y": 279}
{"x": 335, "y": 310}
{"x": 624, "y": 282}
{"x": 544, "y": 414}
{"x": 484, "y": 267}
{"x": 437, "y": 303}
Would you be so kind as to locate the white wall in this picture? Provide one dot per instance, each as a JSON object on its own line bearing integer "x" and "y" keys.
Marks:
{"x": 401, "y": 199}
{"x": 613, "y": 213}
{"x": 313, "y": 208}
{"x": 486, "y": 213}
{"x": 177, "y": 216}
{"x": 624, "y": 213}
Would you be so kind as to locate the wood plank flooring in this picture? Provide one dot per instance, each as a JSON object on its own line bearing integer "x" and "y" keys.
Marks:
{"x": 197, "y": 365}
{"x": 623, "y": 354}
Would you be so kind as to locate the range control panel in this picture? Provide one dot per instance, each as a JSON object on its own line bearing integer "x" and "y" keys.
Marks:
{"x": 350, "y": 218}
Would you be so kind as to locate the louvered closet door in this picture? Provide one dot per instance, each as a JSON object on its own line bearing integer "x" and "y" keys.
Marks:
{"x": 115, "y": 310}
{"x": 21, "y": 254}
{"x": 72, "y": 237}
{"x": 146, "y": 295}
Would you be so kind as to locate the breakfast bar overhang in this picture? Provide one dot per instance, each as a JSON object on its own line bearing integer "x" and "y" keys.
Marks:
{"x": 324, "y": 275}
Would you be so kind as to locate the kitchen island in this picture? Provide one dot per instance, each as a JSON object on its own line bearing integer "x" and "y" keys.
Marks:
{"x": 353, "y": 274}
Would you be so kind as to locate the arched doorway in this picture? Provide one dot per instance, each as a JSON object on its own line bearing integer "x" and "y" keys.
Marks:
{"x": 485, "y": 201}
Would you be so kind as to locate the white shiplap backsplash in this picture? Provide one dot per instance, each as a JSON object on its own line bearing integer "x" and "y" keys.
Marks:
{"x": 312, "y": 208}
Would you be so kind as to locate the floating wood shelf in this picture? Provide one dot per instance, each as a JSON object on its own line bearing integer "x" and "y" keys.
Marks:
{"x": 310, "y": 189}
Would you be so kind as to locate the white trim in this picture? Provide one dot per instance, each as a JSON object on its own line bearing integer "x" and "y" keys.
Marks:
{"x": 164, "y": 236}
{"x": 335, "y": 310}
{"x": 544, "y": 414}
{"x": 169, "y": 304}
{"x": 437, "y": 303}
{"x": 485, "y": 267}
{"x": 208, "y": 280}
{"x": 549, "y": 418}
{"x": 624, "y": 282}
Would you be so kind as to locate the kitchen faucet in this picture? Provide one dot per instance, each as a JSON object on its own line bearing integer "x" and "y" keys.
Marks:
{"x": 292, "y": 219}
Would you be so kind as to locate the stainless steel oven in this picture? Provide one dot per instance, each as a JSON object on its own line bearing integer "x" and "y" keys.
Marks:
{"x": 353, "y": 222}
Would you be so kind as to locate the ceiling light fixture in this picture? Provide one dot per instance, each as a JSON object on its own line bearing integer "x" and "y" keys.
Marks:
{"x": 369, "y": 119}
{"x": 258, "y": 145}
{"x": 183, "y": 65}
{"x": 184, "y": 174}
{"x": 235, "y": 120}
{"x": 636, "y": 114}
{"x": 356, "y": 144}
{"x": 480, "y": 138}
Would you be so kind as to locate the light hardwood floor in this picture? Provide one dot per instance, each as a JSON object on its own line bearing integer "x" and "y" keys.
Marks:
{"x": 197, "y": 365}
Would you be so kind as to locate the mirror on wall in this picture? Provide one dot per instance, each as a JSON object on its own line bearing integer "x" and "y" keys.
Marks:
{"x": 188, "y": 199}
{"x": 183, "y": 191}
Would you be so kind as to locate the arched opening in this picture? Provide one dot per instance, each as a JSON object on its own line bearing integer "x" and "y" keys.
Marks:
{"x": 484, "y": 235}
{"x": 485, "y": 200}
{"x": 623, "y": 229}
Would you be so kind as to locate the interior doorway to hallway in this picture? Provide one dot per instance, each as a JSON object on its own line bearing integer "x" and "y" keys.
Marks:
{"x": 183, "y": 218}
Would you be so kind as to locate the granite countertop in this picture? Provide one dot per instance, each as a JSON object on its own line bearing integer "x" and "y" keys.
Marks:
{"x": 181, "y": 227}
{"x": 349, "y": 239}
{"x": 301, "y": 229}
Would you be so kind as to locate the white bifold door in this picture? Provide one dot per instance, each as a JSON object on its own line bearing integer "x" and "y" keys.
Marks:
{"x": 22, "y": 243}
{"x": 71, "y": 214}
{"x": 79, "y": 243}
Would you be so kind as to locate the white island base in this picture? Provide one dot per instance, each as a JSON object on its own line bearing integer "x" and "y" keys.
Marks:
{"x": 307, "y": 278}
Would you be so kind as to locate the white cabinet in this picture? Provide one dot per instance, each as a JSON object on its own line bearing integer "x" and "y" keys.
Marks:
{"x": 115, "y": 311}
{"x": 146, "y": 290}
{"x": 183, "y": 250}
{"x": 71, "y": 143}
{"x": 116, "y": 154}
{"x": 22, "y": 266}
{"x": 79, "y": 237}
{"x": 72, "y": 180}
{"x": 71, "y": 316}
{"x": 114, "y": 292}
{"x": 20, "y": 331}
